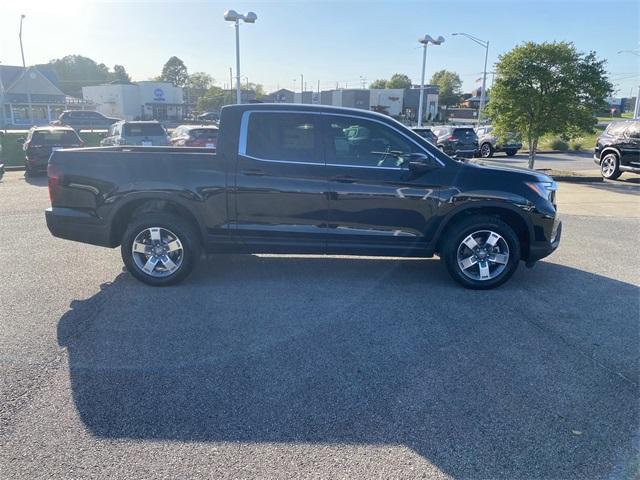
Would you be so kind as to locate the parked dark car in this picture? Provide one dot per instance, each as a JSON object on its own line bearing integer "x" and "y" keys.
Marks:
{"x": 144, "y": 133}
{"x": 195, "y": 136}
{"x": 618, "y": 149}
{"x": 490, "y": 143}
{"x": 41, "y": 141}
{"x": 457, "y": 141}
{"x": 426, "y": 133}
{"x": 85, "y": 120}
{"x": 303, "y": 179}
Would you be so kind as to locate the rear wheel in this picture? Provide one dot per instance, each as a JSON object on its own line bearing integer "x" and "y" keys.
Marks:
{"x": 610, "y": 166}
{"x": 486, "y": 150}
{"x": 160, "y": 249}
{"x": 481, "y": 252}
{"x": 510, "y": 152}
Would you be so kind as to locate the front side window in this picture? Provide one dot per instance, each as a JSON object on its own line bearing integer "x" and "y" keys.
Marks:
{"x": 633, "y": 131}
{"x": 363, "y": 143}
{"x": 283, "y": 136}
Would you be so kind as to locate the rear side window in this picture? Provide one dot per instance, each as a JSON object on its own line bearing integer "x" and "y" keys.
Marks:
{"x": 283, "y": 136}
{"x": 143, "y": 130}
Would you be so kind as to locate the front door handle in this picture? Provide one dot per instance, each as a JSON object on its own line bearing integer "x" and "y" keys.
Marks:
{"x": 344, "y": 179}
{"x": 256, "y": 172}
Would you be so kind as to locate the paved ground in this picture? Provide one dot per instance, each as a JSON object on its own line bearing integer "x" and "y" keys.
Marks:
{"x": 575, "y": 161}
{"x": 311, "y": 367}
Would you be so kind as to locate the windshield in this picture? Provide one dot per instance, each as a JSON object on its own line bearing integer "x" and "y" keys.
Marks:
{"x": 143, "y": 130}
{"x": 55, "y": 137}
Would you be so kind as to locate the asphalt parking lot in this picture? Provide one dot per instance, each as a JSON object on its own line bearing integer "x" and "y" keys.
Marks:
{"x": 320, "y": 367}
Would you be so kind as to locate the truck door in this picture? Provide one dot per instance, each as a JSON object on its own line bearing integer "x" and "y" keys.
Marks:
{"x": 281, "y": 182}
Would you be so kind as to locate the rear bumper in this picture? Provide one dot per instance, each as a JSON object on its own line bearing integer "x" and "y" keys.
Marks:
{"x": 78, "y": 226}
{"x": 539, "y": 250}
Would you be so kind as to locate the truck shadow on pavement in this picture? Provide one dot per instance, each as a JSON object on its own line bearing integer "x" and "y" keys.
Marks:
{"x": 536, "y": 379}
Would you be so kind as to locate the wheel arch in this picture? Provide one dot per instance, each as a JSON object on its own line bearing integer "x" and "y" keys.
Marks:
{"x": 148, "y": 204}
{"x": 607, "y": 150}
{"x": 507, "y": 213}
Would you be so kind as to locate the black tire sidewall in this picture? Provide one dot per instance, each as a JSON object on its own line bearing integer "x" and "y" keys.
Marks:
{"x": 510, "y": 153}
{"x": 616, "y": 172}
{"x": 184, "y": 231}
{"x": 490, "y": 154}
{"x": 465, "y": 227}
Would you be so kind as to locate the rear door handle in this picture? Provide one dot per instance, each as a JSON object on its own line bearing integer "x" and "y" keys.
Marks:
{"x": 344, "y": 179}
{"x": 256, "y": 172}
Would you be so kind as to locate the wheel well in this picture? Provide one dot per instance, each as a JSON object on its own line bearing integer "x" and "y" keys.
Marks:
{"x": 509, "y": 217}
{"x": 143, "y": 206}
{"x": 606, "y": 151}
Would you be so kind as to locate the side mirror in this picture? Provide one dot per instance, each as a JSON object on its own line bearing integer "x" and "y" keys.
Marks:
{"x": 420, "y": 163}
{"x": 20, "y": 141}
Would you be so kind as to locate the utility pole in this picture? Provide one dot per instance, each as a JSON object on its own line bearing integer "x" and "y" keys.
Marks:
{"x": 24, "y": 73}
{"x": 301, "y": 88}
{"x": 636, "y": 110}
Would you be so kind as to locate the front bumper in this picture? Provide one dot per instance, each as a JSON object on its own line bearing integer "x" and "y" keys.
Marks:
{"x": 75, "y": 225}
{"x": 540, "y": 249}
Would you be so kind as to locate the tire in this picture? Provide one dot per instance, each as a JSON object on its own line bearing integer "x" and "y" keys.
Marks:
{"x": 486, "y": 150}
{"x": 171, "y": 248}
{"x": 505, "y": 252}
{"x": 510, "y": 153}
{"x": 610, "y": 166}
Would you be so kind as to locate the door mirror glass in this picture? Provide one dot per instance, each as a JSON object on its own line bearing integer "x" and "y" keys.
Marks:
{"x": 420, "y": 162}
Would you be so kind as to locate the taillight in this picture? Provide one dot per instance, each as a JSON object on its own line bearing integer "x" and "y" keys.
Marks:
{"x": 55, "y": 181}
{"x": 452, "y": 138}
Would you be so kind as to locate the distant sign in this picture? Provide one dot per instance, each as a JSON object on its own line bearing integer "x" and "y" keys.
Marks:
{"x": 158, "y": 95}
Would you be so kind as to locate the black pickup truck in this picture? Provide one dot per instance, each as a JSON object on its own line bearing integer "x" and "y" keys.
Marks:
{"x": 302, "y": 179}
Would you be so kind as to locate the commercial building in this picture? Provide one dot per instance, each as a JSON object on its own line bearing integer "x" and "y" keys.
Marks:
{"x": 146, "y": 100}
{"x": 29, "y": 96}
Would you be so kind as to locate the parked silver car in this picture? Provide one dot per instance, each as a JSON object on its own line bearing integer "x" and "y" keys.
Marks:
{"x": 149, "y": 133}
{"x": 489, "y": 143}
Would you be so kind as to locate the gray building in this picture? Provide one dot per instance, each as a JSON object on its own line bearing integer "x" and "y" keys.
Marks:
{"x": 35, "y": 86}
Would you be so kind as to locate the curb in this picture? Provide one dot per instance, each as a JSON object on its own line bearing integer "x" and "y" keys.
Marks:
{"x": 14, "y": 168}
{"x": 570, "y": 176}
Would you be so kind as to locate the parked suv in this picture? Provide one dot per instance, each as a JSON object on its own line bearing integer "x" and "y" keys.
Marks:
{"x": 457, "y": 141}
{"x": 146, "y": 134}
{"x": 84, "y": 120}
{"x": 195, "y": 136}
{"x": 490, "y": 143}
{"x": 618, "y": 149}
{"x": 426, "y": 133}
{"x": 41, "y": 141}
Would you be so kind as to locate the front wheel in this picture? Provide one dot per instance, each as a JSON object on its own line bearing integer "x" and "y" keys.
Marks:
{"x": 610, "y": 166}
{"x": 510, "y": 152}
{"x": 160, "y": 249}
{"x": 481, "y": 252}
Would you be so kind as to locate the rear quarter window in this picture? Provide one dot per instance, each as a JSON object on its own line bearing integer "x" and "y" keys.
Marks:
{"x": 286, "y": 136}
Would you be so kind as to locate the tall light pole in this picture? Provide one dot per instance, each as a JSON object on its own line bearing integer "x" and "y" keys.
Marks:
{"x": 233, "y": 16}
{"x": 483, "y": 94}
{"x": 301, "y": 88}
{"x": 425, "y": 41}
{"x": 636, "y": 109}
{"x": 24, "y": 66}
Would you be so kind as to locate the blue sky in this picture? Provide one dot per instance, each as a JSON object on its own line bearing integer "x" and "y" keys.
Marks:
{"x": 327, "y": 41}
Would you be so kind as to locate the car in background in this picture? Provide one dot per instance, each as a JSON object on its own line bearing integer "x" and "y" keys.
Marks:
{"x": 489, "y": 142}
{"x": 85, "y": 120}
{"x": 41, "y": 141}
{"x": 195, "y": 136}
{"x": 209, "y": 117}
{"x": 426, "y": 133}
{"x": 618, "y": 149}
{"x": 144, "y": 133}
{"x": 457, "y": 141}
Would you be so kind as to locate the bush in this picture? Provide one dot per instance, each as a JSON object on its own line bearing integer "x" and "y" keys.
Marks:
{"x": 576, "y": 144}
{"x": 559, "y": 144}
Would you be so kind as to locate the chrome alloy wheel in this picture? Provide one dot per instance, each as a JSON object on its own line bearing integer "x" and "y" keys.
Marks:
{"x": 483, "y": 255}
{"x": 485, "y": 150}
{"x": 157, "y": 252}
{"x": 608, "y": 166}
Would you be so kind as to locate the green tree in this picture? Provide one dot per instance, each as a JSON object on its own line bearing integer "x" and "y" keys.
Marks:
{"x": 199, "y": 82}
{"x": 175, "y": 72}
{"x": 76, "y": 71}
{"x": 449, "y": 87}
{"x": 547, "y": 88}
{"x": 120, "y": 74}
{"x": 380, "y": 83}
{"x": 399, "y": 80}
{"x": 215, "y": 98}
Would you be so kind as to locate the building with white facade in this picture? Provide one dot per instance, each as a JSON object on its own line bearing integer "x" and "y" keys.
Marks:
{"x": 146, "y": 100}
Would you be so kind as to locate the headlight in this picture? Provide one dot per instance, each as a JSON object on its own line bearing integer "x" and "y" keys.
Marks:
{"x": 546, "y": 190}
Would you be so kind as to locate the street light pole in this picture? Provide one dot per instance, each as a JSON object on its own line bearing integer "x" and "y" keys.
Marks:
{"x": 425, "y": 41}
{"x": 24, "y": 66}
{"x": 301, "y": 88}
{"x": 485, "y": 45}
{"x": 233, "y": 16}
